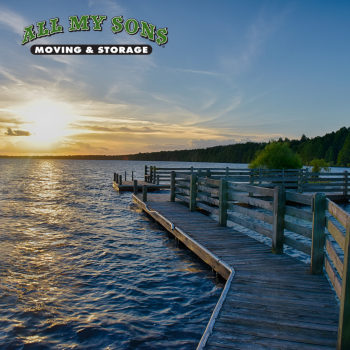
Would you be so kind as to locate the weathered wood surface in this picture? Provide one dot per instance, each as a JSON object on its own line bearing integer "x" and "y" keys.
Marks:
{"x": 129, "y": 186}
{"x": 273, "y": 302}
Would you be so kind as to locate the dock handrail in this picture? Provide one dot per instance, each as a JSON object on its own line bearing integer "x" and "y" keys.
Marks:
{"x": 224, "y": 198}
{"x": 299, "y": 179}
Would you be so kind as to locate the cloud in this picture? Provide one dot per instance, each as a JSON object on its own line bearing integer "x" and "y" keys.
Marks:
{"x": 9, "y": 19}
{"x": 11, "y": 132}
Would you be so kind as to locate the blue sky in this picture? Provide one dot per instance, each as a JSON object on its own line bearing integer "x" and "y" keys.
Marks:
{"x": 232, "y": 71}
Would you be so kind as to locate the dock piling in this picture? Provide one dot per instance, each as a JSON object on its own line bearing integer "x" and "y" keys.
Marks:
{"x": 144, "y": 193}
{"x": 120, "y": 180}
{"x": 135, "y": 187}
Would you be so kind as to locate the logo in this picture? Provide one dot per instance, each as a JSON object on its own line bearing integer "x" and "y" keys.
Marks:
{"x": 131, "y": 26}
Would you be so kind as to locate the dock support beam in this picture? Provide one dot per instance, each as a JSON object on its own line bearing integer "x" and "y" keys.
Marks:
{"x": 193, "y": 192}
{"x": 172, "y": 186}
{"x": 344, "y": 314}
{"x": 144, "y": 193}
{"x": 135, "y": 187}
{"x": 318, "y": 233}
{"x": 223, "y": 202}
{"x": 279, "y": 201}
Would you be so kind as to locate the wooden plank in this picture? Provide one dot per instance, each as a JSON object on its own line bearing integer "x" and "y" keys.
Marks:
{"x": 337, "y": 212}
{"x": 208, "y": 208}
{"x": 298, "y": 198}
{"x": 185, "y": 199}
{"x": 208, "y": 189}
{"x": 298, "y": 213}
{"x": 182, "y": 190}
{"x": 249, "y": 224}
{"x": 249, "y": 188}
{"x": 334, "y": 257}
{"x": 301, "y": 230}
{"x": 209, "y": 181}
{"x": 251, "y": 213}
{"x": 183, "y": 183}
{"x": 210, "y": 200}
{"x": 297, "y": 245}
{"x": 344, "y": 314}
{"x": 336, "y": 282}
{"x": 250, "y": 200}
{"x": 337, "y": 235}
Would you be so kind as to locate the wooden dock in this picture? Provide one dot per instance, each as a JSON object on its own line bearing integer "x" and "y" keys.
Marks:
{"x": 273, "y": 301}
{"x": 129, "y": 186}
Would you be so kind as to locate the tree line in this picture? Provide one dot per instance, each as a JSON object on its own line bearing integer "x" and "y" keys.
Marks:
{"x": 334, "y": 148}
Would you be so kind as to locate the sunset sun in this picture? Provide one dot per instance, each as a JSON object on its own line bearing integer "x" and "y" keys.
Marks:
{"x": 47, "y": 120}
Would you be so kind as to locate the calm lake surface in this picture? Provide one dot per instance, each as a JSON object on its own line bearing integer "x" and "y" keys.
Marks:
{"x": 83, "y": 268}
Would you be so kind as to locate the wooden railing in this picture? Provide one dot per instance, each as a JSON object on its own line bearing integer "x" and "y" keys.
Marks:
{"x": 300, "y": 180}
{"x": 238, "y": 203}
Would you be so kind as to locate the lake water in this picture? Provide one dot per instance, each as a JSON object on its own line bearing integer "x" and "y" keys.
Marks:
{"x": 83, "y": 268}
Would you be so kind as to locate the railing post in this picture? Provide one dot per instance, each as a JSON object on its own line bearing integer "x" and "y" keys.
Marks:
{"x": 283, "y": 184}
{"x": 144, "y": 193}
{"x": 193, "y": 192}
{"x": 344, "y": 312}
{"x": 154, "y": 174}
{"x": 223, "y": 202}
{"x": 227, "y": 172}
{"x": 345, "y": 190}
{"x": 208, "y": 174}
{"x": 150, "y": 179}
{"x": 120, "y": 179}
{"x": 125, "y": 176}
{"x": 250, "y": 182}
{"x": 157, "y": 179}
{"x": 117, "y": 178}
{"x": 260, "y": 175}
{"x": 191, "y": 169}
{"x": 146, "y": 173}
{"x": 318, "y": 232}
{"x": 132, "y": 175}
{"x": 279, "y": 207}
{"x": 135, "y": 187}
{"x": 299, "y": 180}
{"x": 172, "y": 186}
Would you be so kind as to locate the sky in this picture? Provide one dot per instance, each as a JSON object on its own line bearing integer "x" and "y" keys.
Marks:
{"x": 231, "y": 72}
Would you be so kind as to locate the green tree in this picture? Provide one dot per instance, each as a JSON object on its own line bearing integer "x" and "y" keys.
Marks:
{"x": 344, "y": 154}
{"x": 276, "y": 155}
{"x": 318, "y": 165}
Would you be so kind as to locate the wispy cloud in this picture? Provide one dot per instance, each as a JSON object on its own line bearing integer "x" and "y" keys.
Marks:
{"x": 12, "y": 20}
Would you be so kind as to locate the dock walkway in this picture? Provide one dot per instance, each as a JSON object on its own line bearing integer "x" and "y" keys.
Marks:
{"x": 273, "y": 301}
